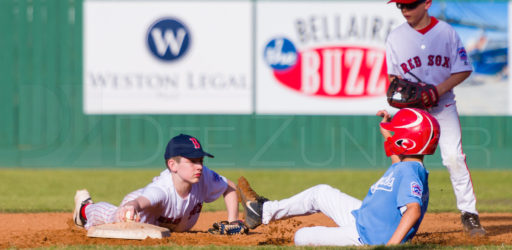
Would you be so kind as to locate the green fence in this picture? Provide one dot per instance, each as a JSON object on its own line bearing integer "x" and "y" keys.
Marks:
{"x": 43, "y": 124}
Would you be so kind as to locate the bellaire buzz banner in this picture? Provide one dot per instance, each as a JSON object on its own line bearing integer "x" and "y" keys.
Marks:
{"x": 322, "y": 57}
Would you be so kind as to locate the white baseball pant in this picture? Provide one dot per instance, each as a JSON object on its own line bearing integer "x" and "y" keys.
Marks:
{"x": 104, "y": 212}
{"x": 454, "y": 158}
{"x": 321, "y": 198}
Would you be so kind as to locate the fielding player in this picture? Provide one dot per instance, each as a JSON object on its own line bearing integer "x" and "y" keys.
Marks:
{"x": 392, "y": 210}
{"x": 172, "y": 200}
{"x": 429, "y": 50}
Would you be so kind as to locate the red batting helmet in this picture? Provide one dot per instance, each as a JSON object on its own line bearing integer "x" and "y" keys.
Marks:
{"x": 416, "y": 132}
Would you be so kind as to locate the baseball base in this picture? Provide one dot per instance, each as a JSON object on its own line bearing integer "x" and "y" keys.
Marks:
{"x": 128, "y": 230}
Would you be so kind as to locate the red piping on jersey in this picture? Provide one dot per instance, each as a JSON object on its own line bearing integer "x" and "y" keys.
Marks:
{"x": 433, "y": 22}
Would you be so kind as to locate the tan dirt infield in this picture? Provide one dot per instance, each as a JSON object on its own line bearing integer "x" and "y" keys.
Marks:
{"x": 29, "y": 230}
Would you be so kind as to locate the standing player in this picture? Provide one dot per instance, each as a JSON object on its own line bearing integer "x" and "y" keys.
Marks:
{"x": 429, "y": 49}
{"x": 394, "y": 207}
{"x": 173, "y": 200}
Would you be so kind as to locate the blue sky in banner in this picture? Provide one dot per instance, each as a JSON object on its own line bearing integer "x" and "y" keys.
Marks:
{"x": 483, "y": 28}
{"x": 472, "y": 19}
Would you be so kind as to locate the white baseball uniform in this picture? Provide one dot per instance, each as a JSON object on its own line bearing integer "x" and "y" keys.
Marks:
{"x": 167, "y": 208}
{"x": 433, "y": 54}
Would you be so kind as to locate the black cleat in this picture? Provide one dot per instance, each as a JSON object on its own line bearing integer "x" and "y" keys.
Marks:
{"x": 471, "y": 224}
{"x": 253, "y": 211}
{"x": 252, "y": 203}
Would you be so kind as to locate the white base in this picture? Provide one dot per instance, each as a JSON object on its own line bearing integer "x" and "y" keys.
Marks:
{"x": 128, "y": 230}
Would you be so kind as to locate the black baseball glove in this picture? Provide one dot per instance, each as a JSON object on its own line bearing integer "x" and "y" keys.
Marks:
{"x": 406, "y": 94}
{"x": 229, "y": 228}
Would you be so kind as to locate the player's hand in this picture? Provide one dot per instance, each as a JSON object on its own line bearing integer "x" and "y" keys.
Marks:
{"x": 386, "y": 117}
{"x": 392, "y": 77}
{"x": 127, "y": 213}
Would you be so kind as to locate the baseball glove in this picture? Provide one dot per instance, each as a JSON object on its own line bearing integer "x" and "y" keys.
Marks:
{"x": 229, "y": 228}
{"x": 406, "y": 94}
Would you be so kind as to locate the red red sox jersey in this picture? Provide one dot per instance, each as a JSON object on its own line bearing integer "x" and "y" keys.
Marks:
{"x": 432, "y": 54}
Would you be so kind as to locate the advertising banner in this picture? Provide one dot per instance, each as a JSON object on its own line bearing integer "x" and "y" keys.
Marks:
{"x": 167, "y": 57}
{"x": 322, "y": 57}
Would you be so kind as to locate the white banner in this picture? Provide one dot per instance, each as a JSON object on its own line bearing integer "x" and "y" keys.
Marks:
{"x": 322, "y": 57}
{"x": 167, "y": 57}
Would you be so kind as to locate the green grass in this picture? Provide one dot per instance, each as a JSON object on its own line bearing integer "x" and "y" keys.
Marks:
{"x": 51, "y": 190}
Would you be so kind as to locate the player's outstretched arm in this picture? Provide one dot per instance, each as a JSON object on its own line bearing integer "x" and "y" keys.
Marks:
{"x": 231, "y": 201}
{"x": 132, "y": 209}
{"x": 409, "y": 218}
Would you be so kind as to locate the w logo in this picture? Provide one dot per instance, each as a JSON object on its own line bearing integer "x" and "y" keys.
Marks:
{"x": 168, "y": 39}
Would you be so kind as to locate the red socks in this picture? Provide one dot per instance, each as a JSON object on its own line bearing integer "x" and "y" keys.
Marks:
{"x": 82, "y": 211}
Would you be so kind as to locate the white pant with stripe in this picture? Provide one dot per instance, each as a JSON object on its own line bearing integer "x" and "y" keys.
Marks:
{"x": 454, "y": 159}
{"x": 104, "y": 212}
{"x": 321, "y": 198}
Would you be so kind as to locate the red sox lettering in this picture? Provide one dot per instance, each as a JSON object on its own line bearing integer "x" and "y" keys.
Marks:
{"x": 433, "y": 60}
{"x": 197, "y": 209}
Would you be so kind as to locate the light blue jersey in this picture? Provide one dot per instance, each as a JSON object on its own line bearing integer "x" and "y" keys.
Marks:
{"x": 379, "y": 215}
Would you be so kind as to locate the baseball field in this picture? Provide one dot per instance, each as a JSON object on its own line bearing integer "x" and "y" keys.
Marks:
{"x": 36, "y": 208}
{"x": 283, "y": 93}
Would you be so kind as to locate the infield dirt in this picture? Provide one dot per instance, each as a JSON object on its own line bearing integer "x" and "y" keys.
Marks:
{"x": 29, "y": 230}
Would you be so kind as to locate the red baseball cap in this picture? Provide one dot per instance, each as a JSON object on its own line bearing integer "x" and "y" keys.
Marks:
{"x": 402, "y": 1}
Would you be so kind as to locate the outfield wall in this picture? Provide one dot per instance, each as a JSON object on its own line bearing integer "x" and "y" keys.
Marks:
{"x": 44, "y": 125}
